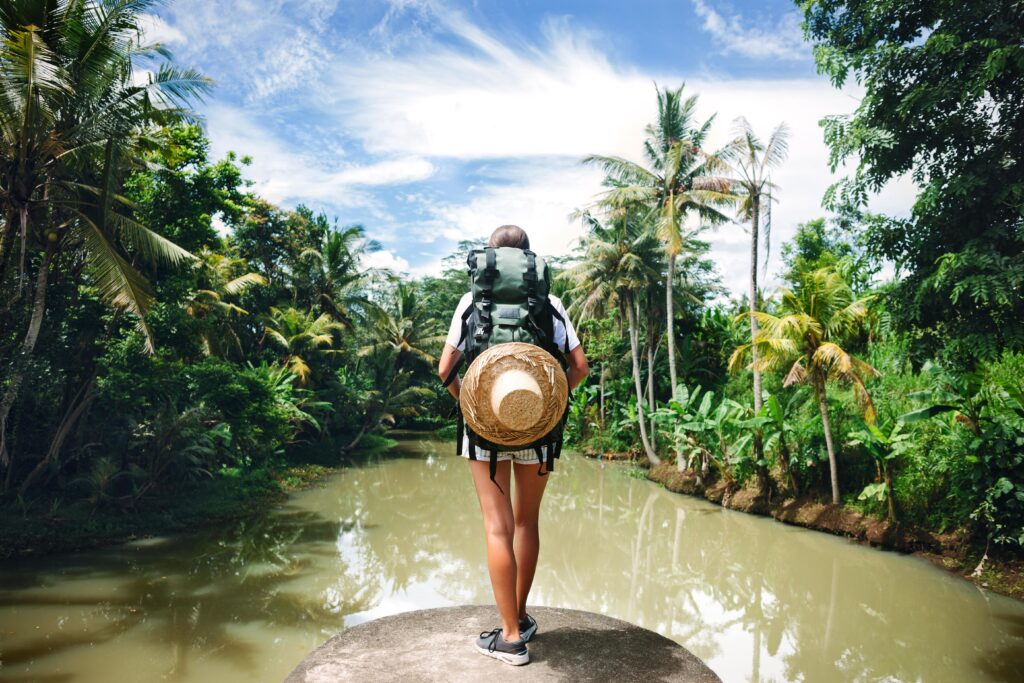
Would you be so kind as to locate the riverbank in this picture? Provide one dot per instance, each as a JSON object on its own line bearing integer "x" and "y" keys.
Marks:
{"x": 951, "y": 552}
{"x": 42, "y": 527}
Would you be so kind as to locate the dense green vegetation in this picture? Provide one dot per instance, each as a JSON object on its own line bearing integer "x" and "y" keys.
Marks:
{"x": 165, "y": 329}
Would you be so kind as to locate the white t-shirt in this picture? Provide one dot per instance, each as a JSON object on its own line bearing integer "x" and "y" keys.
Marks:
{"x": 562, "y": 332}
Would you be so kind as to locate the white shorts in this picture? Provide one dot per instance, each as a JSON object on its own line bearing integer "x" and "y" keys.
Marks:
{"x": 526, "y": 456}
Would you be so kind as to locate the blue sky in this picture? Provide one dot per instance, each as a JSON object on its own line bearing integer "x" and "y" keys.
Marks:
{"x": 430, "y": 121}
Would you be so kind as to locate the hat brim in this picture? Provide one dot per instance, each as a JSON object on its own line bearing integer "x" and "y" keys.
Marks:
{"x": 484, "y": 372}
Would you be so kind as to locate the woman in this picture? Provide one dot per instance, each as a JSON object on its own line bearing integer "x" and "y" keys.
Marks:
{"x": 510, "y": 523}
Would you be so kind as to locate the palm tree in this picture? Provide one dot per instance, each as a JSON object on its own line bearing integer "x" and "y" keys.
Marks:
{"x": 814, "y": 320}
{"x": 300, "y": 336}
{"x": 616, "y": 271}
{"x": 220, "y": 279}
{"x": 680, "y": 178}
{"x": 405, "y": 326}
{"x": 752, "y": 161}
{"x": 394, "y": 392}
{"x": 337, "y": 275}
{"x": 73, "y": 116}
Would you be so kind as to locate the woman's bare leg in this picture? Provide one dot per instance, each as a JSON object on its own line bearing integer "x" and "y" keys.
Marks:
{"x": 526, "y": 511}
{"x": 499, "y": 527}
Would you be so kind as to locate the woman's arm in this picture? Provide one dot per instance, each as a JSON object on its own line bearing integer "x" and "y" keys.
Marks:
{"x": 449, "y": 357}
{"x": 578, "y": 367}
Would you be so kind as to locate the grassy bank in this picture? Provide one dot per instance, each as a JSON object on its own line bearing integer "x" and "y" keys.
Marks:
{"x": 45, "y": 526}
{"x": 952, "y": 552}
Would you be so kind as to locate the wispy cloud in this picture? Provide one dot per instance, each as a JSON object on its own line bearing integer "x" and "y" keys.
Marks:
{"x": 780, "y": 39}
{"x": 287, "y": 175}
{"x": 156, "y": 30}
{"x": 462, "y": 129}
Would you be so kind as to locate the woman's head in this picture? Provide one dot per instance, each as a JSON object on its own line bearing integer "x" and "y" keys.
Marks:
{"x": 509, "y": 236}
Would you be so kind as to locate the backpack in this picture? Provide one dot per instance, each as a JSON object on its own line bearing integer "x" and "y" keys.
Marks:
{"x": 510, "y": 303}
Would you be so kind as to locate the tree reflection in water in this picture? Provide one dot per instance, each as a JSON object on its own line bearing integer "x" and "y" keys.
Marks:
{"x": 758, "y": 600}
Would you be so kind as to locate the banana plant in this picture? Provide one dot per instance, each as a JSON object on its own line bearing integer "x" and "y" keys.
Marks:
{"x": 776, "y": 432}
{"x": 886, "y": 444}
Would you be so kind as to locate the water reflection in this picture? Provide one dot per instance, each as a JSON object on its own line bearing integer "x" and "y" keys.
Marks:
{"x": 757, "y": 600}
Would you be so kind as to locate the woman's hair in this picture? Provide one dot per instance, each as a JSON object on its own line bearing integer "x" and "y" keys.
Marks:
{"x": 509, "y": 236}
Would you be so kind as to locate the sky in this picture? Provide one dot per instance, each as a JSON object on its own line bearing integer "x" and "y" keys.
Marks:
{"x": 432, "y": 121}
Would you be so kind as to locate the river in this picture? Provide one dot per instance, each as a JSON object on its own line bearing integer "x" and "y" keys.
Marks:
{"x": 247, "y": 600}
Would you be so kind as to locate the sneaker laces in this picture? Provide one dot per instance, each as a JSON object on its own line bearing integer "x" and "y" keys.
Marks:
{"x": 493, "y": 635}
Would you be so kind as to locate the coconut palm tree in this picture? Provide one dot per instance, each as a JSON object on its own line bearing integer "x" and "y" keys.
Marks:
{"x": 680, "y": 178}
{"x": 220, "y": 280}
{"x": 405, "y": 326}
{"x": 615, "y": 273}
{"x": 394, "y": 392}
{"x": 337, "y": 274}
{"x": 300, "y": 336}
{"x": 752, "y": 161}
{"x": 73, "y": 117}
{"x": 815, "y": 319}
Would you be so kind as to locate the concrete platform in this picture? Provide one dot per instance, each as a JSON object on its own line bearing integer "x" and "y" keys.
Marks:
{"x": 437, "y": 645}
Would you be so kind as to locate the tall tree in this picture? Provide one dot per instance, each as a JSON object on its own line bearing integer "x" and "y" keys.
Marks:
{"x": 942, "y": 103}
{"x": 618, "y": 267}
{"x": 73, "y": 118}
{"x": 336, "y": 272}
{"x": 752, "y": 161}
{"x": 680, "y": 178}
{"x": 815, "y": 320}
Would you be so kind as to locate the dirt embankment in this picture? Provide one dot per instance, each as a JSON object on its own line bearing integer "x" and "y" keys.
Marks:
{"x": 951, "y": 552}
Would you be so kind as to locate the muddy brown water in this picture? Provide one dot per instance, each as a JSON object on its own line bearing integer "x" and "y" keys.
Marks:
{"x": 246, "y": 601}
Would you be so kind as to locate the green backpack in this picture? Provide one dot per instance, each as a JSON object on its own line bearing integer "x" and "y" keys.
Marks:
{"x": 510, "y": 304}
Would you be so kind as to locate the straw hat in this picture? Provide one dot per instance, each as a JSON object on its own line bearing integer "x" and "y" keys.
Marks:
{"x": 513, "y": 394}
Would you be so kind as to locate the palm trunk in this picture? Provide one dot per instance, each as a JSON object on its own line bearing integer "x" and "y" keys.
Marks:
{"x": 670, "y": 328}
{"x": 650, "y": 391}
{"x": 819, "y": 390}
{"x": 28, "y": 345}
{"x": 601, "y": 381}
{"x": 78, "y": 406}
{"x": 634, "y": 346}
{"x": 762, "y": 472}
{"x": 360, "y": 435}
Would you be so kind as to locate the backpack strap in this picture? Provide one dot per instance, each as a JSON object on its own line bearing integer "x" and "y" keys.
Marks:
{"x": 490, "y": 274}
{"x": 460, "y": 430}
{"x": 558, "y": 316}
{"x": 466, "y": 315}
{"x": 494, "y": 469}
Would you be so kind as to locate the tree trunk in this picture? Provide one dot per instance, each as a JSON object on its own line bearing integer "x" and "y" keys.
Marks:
{"x": 634, "y": 346}
{"x": 360, "y": 435}
{"x": 889, "y": 491}
{"x": 601, "y": 382}
{"x": 670, "y": 328}
{"x": 819, "y": 390}
{"x": 27, "y": 347}
{"x": 762, "y": 471}
{"x": 650, "y": 391}
{"x": 755, "y": 210}
{"x": 71, "y": 417}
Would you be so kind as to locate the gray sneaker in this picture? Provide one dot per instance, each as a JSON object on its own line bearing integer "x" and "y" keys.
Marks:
{"x": 527, "y": 628}
{"x": 491, "y": 643}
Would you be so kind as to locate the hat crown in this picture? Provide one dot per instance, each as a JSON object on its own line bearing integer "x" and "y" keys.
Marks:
{"x": 517, "y": 400}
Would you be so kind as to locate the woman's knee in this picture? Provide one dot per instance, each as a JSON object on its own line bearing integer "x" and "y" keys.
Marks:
{"x": 499, "y": 530}
{"x": 527, "y": 526}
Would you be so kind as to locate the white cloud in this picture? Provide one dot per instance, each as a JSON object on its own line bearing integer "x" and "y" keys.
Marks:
{"x": 782, "y": 40}
{"x": 156, "y": 30}
{"x": 543, "y": 107}
{"x": 538, "y": 198}
{"x": 530, "y": 111}
{"x": 491, "y": 100}
{"x": 386, "y": 258}
{"x": 285, "y": 175}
